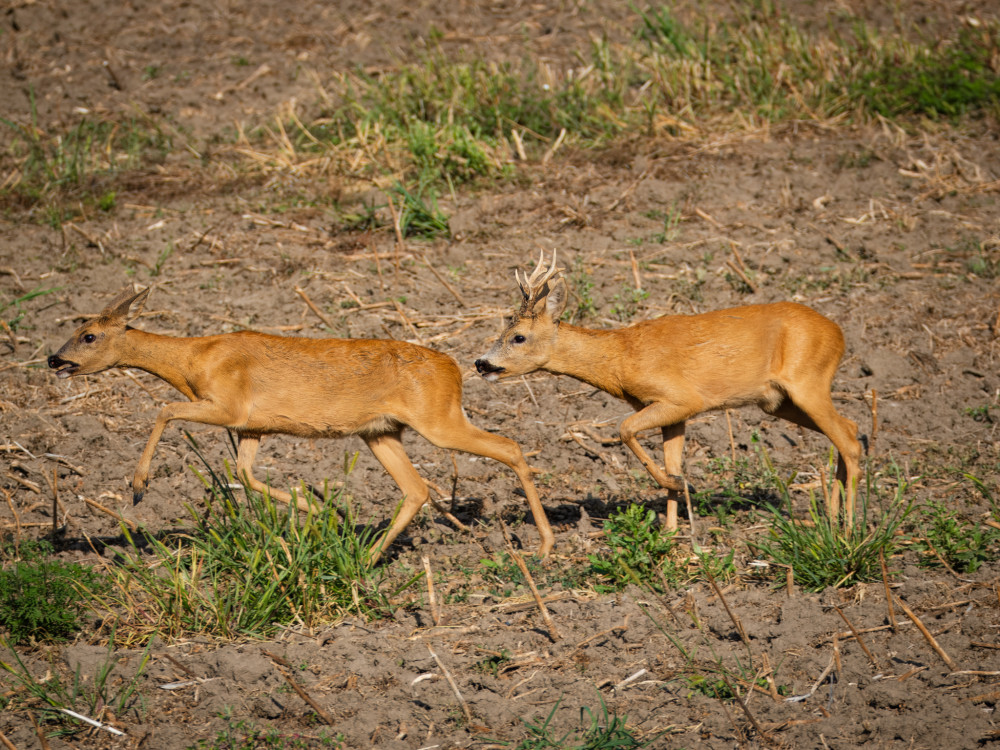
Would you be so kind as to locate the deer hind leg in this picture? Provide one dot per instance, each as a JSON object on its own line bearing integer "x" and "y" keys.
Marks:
{"x": 673, "y": 455}
{"x": 816, "y": 412}
{"x": 389, "y": 451}
{"x": 245, "y": 455}
{"x": 457, "y": 433}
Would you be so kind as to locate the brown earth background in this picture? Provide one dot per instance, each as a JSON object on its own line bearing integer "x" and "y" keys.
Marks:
{"x": 874, "y": 226}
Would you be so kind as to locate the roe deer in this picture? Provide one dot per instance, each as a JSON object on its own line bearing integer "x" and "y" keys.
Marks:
{"x": 256, "y": 384}
{"x": 780, "y": 356}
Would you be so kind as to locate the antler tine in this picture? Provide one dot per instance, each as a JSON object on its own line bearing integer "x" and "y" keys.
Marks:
{"x": 539, "y": 276}
{"x": 523, "y": 284}
{"x": 551, "y": 272}
{"x": 532, "y": 280}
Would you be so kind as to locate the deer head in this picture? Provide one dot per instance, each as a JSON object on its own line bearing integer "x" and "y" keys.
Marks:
{"x": 98, "y": 345}
{"x": 527, "y": 342}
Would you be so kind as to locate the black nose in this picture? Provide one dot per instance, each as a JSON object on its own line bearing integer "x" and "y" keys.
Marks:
{"x": 55, "y": 361}
{"x": 480, "y": 365}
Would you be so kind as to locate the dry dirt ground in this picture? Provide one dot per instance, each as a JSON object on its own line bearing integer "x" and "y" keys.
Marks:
{"x": 879, "y": 229}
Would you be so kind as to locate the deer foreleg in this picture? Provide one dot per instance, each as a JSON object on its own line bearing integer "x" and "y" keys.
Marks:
{"x": 204, "y": 412}
{"x": 670, "y": 420}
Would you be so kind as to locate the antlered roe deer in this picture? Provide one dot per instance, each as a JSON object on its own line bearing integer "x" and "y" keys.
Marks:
{"x": 256, "y": 384}
{"x": 781, "y": 357}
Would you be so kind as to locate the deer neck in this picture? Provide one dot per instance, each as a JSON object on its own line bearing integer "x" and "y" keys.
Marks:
{"x": 590, "y": 355}
{"x": 166, "y": 357}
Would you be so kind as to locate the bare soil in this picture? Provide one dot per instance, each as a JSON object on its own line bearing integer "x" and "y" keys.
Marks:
{"x": 885, "y": 231}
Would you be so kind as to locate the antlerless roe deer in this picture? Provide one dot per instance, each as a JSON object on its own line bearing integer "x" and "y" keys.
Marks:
{"x": 256, "y": 384}
{"x": 781, "y": 357}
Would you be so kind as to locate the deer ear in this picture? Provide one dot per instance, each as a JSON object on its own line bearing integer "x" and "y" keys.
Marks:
{"x": 555, "y": 300}
{"x": 126, "y": 305}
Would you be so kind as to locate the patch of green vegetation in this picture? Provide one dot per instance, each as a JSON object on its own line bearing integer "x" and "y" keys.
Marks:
{"x": 53, "y": 165}
{"x": 641, "y": 552}
{"x": 822, "y": 552}
{"x": 763, "y": 62}
{"x": 504, "y": 576}
{"x": 627, "y": 302}
{"x": 671, "y": 224}
{"x": 938, "y": 79}
{"x": 43, "y": 599}
{"x": 419, "y": 215}
{"x": 451, "y": 154}
{"x": 18, "y": 322}
{"x": 581, "y": 288}
{"x": 248, "y": 566}
{"x": 713, "y": 685}
{"x": 90, "y": 695}
{"x": 597, "y": 731}
{"x": 740, "y": 484}
{"x": 980, "y": 413}
{"x": 245, "y": 735}
{"x": 493, "y": 663}
{"x": 946, "y": 539}
{"x": 108, "y": 201}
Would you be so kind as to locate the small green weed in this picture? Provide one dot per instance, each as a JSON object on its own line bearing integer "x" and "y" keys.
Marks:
{"x": 18, "y": 321}
{"x": 597, "y": 731}
{"x": 980, "y": 413}
{"x": 363, "y": 220}
{"x": 581, "y": 287}
{"x": 493, "y": 663}
{"x": 671, "y": 224}
{"x": 107, "y": 201}
{"x": 642, "y": 552}
{"x": 419, "y": 215}
{"x": 714, "y": 686}
{"x": 93, "y": 696}
{"x": 43, "y": 599}
{"x": 503, "y": 574}
{"x": 627, "y": 302}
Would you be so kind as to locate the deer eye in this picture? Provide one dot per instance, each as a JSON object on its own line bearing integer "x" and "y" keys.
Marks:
{"x": 519, "y": 339}
{"x": 89, "y": 338}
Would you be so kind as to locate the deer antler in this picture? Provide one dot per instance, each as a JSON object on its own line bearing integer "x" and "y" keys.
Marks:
{"x": 532, "y": 287}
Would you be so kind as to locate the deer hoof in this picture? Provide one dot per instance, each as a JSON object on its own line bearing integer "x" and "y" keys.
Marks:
{"x": 675, "y": 483}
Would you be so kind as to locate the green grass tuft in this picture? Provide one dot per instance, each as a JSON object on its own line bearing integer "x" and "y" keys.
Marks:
{"x": 248, "y": 566}
{"x": 822, "y": 552}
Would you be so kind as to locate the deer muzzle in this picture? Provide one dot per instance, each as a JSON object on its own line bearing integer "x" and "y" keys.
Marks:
{"x": 63, "y": 367}
{"x": 488, "y": 370}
